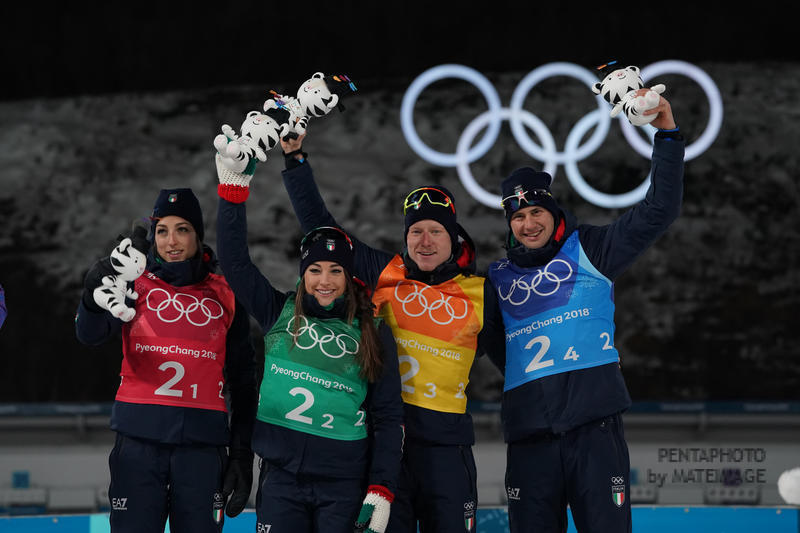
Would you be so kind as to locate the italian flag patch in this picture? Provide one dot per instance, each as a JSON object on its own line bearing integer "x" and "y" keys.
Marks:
{"x": 618, "y": 495}
{"x": 217, "y": 508}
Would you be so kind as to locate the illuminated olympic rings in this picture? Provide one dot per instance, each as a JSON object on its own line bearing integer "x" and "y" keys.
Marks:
{"x": 547, "y": 152}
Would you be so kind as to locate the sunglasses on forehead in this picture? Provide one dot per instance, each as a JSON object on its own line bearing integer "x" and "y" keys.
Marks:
{"x": 433, "y": 196}
{"x": 323, "y": 232}
{"x": 516, "y": 200}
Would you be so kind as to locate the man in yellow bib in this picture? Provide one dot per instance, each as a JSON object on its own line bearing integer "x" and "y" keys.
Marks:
{"x": 441, "y": 315}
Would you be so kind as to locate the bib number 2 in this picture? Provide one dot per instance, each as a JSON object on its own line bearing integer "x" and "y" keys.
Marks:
{"x": 169, "y": 387}
{"x": 297, "y": 415}
{"x": 543, "y": 342}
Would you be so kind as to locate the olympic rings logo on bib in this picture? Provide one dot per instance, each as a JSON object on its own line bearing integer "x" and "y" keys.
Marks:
{"x": 544, "y": 278}
{"x": 332, "y": 345}
{"x": 441, "y": 311}
{"x": 171, "y": 308}
{"x": 547, "y": 153}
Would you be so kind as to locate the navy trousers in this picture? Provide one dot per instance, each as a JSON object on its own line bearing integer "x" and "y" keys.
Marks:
{"x": 437, "y": 490}
{"x": 587, "y": 468}
{"x": 152, "y": 481}
{"x": 289, "y": 503}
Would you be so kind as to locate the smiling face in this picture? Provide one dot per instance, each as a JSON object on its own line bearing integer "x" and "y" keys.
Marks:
{"x": 325, "y": 280}
{"x": 428, "y": 244}
{"x": 532, "y": 226}
{"x": 176, "y": 239}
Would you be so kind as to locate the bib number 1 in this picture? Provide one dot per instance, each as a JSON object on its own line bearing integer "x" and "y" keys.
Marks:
{"x": 168, "y": 388}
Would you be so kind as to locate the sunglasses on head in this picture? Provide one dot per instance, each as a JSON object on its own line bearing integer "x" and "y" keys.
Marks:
{"x": 433, "y": 196}
{"x": 516, "y": 200}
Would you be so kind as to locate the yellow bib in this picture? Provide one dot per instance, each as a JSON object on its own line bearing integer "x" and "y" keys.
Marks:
{"x": 436, "y": 330}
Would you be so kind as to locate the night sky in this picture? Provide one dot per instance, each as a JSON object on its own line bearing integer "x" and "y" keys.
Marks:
{"x": 66, "y": 50}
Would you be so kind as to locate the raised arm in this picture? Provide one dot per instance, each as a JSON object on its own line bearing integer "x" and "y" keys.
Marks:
{"x": 311, "y": 211}
{"x": 614, "y": 247}
{"x": 262, "y": 301}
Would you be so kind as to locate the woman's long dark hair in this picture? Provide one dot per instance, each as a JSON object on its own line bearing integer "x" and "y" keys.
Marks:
{"x": 358, "y": 305}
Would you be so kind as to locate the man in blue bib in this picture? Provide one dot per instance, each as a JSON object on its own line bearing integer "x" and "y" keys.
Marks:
{"x": 564, "y": 391}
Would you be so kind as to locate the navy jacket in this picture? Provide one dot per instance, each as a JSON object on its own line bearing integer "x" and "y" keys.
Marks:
{"x": 184, "y": 425}
{"x": 377, "y": 457}
{"x": 561, "y": 402}
{"x": 422, "y": 425}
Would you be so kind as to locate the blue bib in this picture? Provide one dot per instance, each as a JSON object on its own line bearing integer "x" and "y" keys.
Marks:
{"x": 558, "y": 317}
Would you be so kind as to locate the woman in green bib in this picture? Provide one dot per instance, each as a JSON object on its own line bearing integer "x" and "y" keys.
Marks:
{"x": 329, "y": 426}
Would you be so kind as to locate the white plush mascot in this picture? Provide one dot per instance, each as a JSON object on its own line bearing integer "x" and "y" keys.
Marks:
{"x": 284, "y": 117}
{"x": 789, "y": 486}
{"x": 316, "y": 97}
{"x": 259, "y": 134}
{"x": 128, "y": 260}
{"x": 237, "y": 154}
{"x": 619, "y": 88}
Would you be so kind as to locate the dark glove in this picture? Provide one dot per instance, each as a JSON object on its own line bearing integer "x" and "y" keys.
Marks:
{"x": 238, "y": 480}
{"x": 374, "y": 515}
{"x": 93, "y": 280}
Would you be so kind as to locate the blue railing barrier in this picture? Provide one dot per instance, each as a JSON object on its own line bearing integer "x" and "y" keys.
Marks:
{"x": 646, "y": 519}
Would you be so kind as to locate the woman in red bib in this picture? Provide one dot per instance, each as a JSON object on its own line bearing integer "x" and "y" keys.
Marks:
{"x": 187, "y": 363}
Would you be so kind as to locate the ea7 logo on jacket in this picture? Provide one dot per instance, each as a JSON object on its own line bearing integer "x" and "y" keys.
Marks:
{"x": 263, "y": 528}
{"x": 513, "y": 493}
{"x": 119, "y": 504}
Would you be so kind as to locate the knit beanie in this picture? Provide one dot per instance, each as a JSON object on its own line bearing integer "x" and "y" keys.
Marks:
{"x": 432, "y": 202}
{"x": 527, "y": 187}
{"x": 326, "y": 244}
{"x": 181, "y": 203}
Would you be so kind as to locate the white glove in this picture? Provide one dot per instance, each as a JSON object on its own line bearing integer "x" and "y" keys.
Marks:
{"x": 235, "y": 166}
{"x": 374, "y": 515}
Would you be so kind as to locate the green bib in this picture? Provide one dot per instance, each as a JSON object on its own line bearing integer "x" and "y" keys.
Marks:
{"x": 311, "y": 382}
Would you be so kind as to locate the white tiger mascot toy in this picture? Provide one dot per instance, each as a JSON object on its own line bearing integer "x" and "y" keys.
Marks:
{"x": 128, "y": 259}
{"x": 619, "y": 89}
{"x": 316, "y": 97}
{"x": 259, "y": 134}
{"x": 789, "y": 486}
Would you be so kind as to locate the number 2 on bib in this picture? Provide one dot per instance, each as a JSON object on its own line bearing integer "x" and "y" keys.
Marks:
{"x": 538, "y": 362}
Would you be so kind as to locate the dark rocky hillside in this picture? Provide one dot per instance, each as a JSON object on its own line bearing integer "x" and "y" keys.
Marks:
{"x": 710, "y": 312}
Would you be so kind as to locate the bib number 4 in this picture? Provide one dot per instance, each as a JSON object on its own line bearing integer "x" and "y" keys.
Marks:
{"x": 539, "y": 362}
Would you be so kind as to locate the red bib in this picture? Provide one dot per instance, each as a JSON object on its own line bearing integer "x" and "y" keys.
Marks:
{"x": 174, "y": 348}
